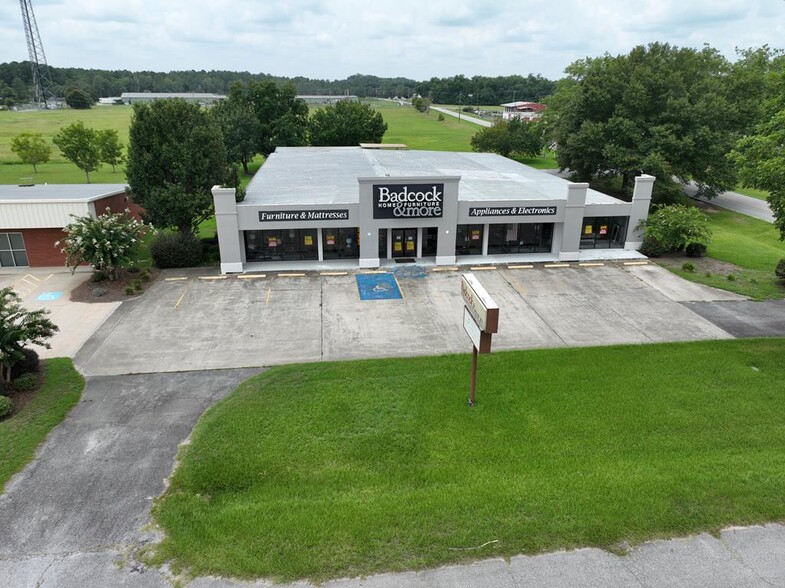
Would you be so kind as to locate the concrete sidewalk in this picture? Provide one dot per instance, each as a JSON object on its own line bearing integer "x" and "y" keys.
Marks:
{"x": 462, "y": 116}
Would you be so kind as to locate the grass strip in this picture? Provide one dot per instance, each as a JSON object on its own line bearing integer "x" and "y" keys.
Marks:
{"x": 343, "y": 469}
{"x": 21, "y": 434}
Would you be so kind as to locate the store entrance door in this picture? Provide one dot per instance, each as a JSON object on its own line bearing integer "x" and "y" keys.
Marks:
{"x": 404, "y": 242}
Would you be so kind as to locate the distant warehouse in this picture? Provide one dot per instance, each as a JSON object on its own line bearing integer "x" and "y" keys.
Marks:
{"x": 198, "y": 97}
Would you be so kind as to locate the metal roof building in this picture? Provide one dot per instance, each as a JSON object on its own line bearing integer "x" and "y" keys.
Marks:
{"x": 377, "y": 206}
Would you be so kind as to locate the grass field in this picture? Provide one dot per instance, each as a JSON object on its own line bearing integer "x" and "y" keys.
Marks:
{"x": 21, "y": 434}
{"x": 752, "y": 245}
{"x": 343, "y": 469}
{"x": 759, "y": 194}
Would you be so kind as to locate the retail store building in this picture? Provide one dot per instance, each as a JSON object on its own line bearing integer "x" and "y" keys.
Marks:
{"x": 32, "y": 218}
{"x": 373, "y": 206}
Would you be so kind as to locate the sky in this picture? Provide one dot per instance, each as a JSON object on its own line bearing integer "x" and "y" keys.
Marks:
{"x": 417, "y": 39}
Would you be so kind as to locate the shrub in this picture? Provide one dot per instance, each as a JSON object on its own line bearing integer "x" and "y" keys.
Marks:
{"x": 440, "y": 118}
{"x": 688, "y": 267}
{"x": 696, "y": 250}
{"x": 98, "y": 277}
{"x": 25, "y": 383}
{"x": 708, "y": 274}
{"x": 6, "y": 406}
{"x": 29, "y": 364}
{"x": 176, "y": 250}
{"x": 133, "y": 270}
{"x": 731, "y": 278}
{"x": 130, "y": 290}
{"x": 676, "y": 225}
{"x": 779, "y": 271}
{"x": 137, "y": 285}
{"x": 145, "y": 276}
{"x": 652, "y": 248}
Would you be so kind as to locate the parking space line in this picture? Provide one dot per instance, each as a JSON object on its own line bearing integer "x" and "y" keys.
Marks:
{"x": 375, "y": 272}
{"x": 180, "y": 299}
{"x": 482, "y": 268}
{"x": 213, "y": 277}
{"x": 444, "y": 269}
{"x": 333, "y": 273}
{"x": 556, "y": 265}
{"x": 591, "y": 264}
{"x": 636, "y": 263}
{"x": 294, "y": 275}
{"x": 267, "y": 300}
{"x": 177, "y": 279}
{"x": 397, "y": 283}
{"x": 251, "y": 276}
{"x": 520, "y": 267}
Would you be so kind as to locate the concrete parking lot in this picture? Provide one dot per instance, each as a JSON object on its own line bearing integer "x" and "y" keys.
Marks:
{"x": 191, "y": 322}
{"x": 50, "y": 288}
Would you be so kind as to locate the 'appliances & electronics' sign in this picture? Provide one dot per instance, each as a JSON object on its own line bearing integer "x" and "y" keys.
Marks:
{"x": 513, "y": 211}
{"x": 408, "y": 200}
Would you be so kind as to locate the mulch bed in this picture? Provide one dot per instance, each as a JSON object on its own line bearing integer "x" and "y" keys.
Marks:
{"x": 111, "y": 290}
{"x": 22, "y": 399}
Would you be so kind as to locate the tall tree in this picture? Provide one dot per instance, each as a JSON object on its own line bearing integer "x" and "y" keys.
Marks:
{"x": 176, "y": 154}
{"x": 523, "y": 138}
{"x": 31, "y": 148}
{"x": 111, "y": 148}
{"x": 79, "y": 145}
{"x": 240, "y": 129}
{"x": 660, "y": 110}
{"x": 281, "y": 116}
{"x": 346, "y": 123}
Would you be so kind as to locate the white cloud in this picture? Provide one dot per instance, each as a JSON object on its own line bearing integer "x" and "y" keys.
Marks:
{"x": 333, "y": 39}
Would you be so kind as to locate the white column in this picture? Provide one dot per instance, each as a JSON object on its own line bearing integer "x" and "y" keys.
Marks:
{"x": 319, "y": 246}
{"x": 485, "y": 238}
{"x": 639, "y": 210}
{"x": 229, "y": 235}
{"x": 569, "y": 249}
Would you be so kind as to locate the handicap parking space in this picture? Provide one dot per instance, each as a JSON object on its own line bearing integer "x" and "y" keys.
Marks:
{"x": 273, "y": 319}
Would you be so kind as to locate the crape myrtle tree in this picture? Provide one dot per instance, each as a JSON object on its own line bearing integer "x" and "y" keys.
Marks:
{"x": 79, "y": 145}
{"x": 660, "y": 110}
{"x": 346, "y": 123}
{"x": 31, "y": 148}
{"x": 19, "y": 328}
{"x": 176, "y": 154}
{"x": 110, "y": 147}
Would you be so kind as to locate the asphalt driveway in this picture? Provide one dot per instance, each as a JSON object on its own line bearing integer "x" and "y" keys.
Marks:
{"x": 75, "y": 513}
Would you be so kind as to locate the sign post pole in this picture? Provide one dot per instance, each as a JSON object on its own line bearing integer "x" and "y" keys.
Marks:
{"x": 480, "y": 321}
{"x": 474, "y": 375}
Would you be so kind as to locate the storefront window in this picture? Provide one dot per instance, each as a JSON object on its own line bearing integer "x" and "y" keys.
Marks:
{"x": 340, "y": 243}
{"x": 281, "y": 245}
{"x": 468, "y": 240}
{"x": 12, "y": 250}
{"x": 520, "y": 238}
{"x": 603, "y": 232}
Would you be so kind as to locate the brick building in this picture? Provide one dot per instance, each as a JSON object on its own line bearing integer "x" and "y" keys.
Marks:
{"x": 32, "y": 218}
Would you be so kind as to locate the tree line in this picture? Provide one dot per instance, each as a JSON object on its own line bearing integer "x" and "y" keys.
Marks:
{"x": 16, "y": 83}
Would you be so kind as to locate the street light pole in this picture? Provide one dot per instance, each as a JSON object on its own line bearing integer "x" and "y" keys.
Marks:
{"x": 460, "y": 103}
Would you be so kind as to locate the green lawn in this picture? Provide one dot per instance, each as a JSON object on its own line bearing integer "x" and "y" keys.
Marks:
{"x": 49, "y": 122}
{"x": 425, "y": 131}
{"x": 759, "y": 194}
{"x": 745, "y": 241}
{"x": 21, "y": 434}
{"x": 343, "y": 469}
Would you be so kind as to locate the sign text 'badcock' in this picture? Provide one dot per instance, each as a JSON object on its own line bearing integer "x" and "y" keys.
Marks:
{"x": 408, "y": 200}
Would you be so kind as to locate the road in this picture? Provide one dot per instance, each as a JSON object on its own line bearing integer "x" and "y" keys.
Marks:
{"x": 737, "y": 202}
{"x": 462, "y": 116}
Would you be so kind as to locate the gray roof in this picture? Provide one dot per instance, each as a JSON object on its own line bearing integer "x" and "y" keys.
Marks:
{"x": 169, "y": 95}
{"x": 58, "y": 192}
{"x": 328, "y": 175}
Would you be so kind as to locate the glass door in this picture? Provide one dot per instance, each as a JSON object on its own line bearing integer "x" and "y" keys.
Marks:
{"x": 404, "y": 242}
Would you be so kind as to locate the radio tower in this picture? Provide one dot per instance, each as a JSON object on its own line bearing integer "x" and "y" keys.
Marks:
{"x": 41, "y": 78}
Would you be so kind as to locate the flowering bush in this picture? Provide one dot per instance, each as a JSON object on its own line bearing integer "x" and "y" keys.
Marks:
{"x": 106, "y": 242}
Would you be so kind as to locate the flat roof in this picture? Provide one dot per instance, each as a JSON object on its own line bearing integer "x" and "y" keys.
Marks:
{"x": 58, "y": 192}
{"x": 328, "y": 175}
